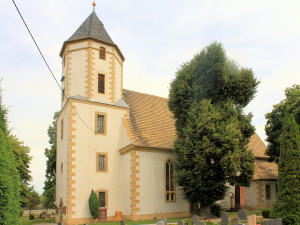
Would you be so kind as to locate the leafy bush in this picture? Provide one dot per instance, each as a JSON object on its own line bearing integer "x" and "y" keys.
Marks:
{"x": 94, "y": 205}
{"x": 43, "y": 215}
{"x": 266, "y": 213}
{"x": 216, "y": 210}
{"x": 31, "y": 216}
{"x": 261, "y": 222}
{"x": 290, "y": 220}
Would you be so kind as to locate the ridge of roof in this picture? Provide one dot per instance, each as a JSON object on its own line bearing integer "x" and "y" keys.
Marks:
{"x": 150, "y": 95}
{"x": 92, "y": 27}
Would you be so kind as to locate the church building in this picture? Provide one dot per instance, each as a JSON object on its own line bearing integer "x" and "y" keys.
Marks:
{"x": 118, "y": 142}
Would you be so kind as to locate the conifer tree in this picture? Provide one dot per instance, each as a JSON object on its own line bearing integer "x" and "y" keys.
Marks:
{"x": 291, "y": 104}
{"x": 9, "y": 176}
{"x": 207, "y": 99}
{"x": 94, "y": 205}
{"x": 288, "y": 196}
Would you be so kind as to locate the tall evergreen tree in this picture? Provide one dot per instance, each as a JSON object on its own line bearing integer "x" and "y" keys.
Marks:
{"x": 50, "y": 153}
{"x": 291, "y": 104}
{"x": 207, "y": 99}
{"x": 288, "y": 196}
{"x": 94, "y": 205}
{"x": 9, "y": 176}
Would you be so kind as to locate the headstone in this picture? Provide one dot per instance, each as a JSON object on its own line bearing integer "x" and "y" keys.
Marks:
{"x": 180, "y": 222}
{"x": 160, "y": 222}
{"x": 273, "y": 222}
{"x": 224, "y": 219}
{"x": 195, "y": 219}
{"x": 252, "y": 220}
{"x": 201, "y": 223}
{"x": 123, "y": 222}
{"x": 235, "y": 221}
{"x": 165, "y": 221}
{"x": 242, "y": 214}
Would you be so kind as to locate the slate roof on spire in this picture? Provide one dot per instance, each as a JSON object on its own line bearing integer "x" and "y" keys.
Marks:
{"x": 92, "y": 27}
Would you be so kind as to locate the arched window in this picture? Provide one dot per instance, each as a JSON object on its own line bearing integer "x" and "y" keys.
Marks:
{"x": 102, "y": 53}
{"x": 170, "y": 181}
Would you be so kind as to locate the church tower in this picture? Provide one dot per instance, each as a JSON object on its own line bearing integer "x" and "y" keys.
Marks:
{"x": 90, "y": 128}
{"x": 92, "y": 64}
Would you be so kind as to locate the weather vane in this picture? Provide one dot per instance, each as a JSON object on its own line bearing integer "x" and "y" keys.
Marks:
{"x": 94, "y": 4}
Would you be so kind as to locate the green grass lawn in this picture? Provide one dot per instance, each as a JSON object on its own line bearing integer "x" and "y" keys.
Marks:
{"x": 25, "y": 220}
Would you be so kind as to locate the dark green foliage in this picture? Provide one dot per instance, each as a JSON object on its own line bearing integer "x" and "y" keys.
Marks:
{"x": 50, "y": 153}
{"x": 291, "y": 104}
{"x": 94, "y": 205}
{"x": 23, "y": 160}
{"x": 207, "y": 99}
{"x": 288, "y": 196}
{"x": 216, "y": 210}
{"x": 31, "y": 216}
{"x": 290, "y": 220}
{"x": 9, "y": 175}
{"x": 266, "y": 213}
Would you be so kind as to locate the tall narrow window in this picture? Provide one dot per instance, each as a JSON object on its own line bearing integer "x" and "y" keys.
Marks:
{"x": 101, "y": 83}
{"x": 268, "y": 192}
{"x": 102, "y": 199}
{"x": 170, "y": 181}
{"x": 100, "y": 124}
{"x": 62, "y": 129}
{"x": 102, "y": 53}
{"x": 101, "y": 162}
{"x": 62, "y": 94}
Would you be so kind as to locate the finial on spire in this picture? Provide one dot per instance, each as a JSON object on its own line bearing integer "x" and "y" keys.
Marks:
{"x": 94, "y": 4}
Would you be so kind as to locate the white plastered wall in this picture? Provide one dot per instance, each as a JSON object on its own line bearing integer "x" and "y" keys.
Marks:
{"x": 125, "y": 184}
{"x": 86, "y": 147}
{"x": 152, "y": 185}
{"x": 77, "y": 76}
{"x": 62, "y": 157}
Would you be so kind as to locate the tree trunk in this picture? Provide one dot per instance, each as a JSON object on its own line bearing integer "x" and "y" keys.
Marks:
{"x": 205, "y": 212}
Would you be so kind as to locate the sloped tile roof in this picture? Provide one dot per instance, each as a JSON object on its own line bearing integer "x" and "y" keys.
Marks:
{"x": 151, "y": 124}
{"x": 92, "y": 27}
{"x": 257, "y": 146}
{"x": 265, "y": 170}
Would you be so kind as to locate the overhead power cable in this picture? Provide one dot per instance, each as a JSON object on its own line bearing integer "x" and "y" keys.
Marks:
{"x": 49, "y": 67}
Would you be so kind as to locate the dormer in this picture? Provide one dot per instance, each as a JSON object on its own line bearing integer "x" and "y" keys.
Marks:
{"x": 92, "y": 64}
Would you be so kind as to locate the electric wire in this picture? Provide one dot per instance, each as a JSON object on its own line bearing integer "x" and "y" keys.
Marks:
{"x": 49, "y": 67}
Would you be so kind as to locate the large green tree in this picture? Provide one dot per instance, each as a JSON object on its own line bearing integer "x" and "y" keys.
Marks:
{"x": 207, "y": 99}
{"x": 288, "y": 196}
{"x": 291, "y": 104}
{"x": 50, "y": 153}
{"x": 23, "y": 160}
{"x": 9, "y": 176}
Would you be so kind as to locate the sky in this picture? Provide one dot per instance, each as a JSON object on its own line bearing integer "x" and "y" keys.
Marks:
{"x": 155, "y": 37}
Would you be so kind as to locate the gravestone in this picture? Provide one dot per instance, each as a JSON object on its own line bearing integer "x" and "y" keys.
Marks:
{"x": 123, "y": 222}
{"x": 181, "y": 222}
{"x": 273, "y": 222}
{"x": 165, "y": 221}
{"x": 195, "y": 219}
{"x": 160, "y": 222}
{"x": 242, "y": 214}
{"x": 235, "y": 221}
{"x": 201, "y": 223}
{"x": 224, "y": 219}
{"x": 252, "y": 220}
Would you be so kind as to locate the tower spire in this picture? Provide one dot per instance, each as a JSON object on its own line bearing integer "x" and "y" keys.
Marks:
{"x": 94, "y": 5}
